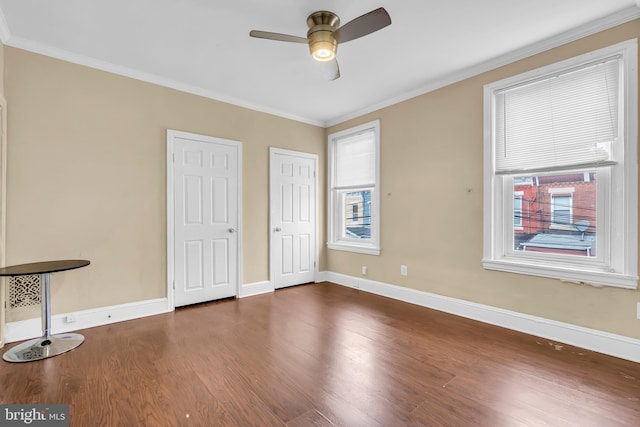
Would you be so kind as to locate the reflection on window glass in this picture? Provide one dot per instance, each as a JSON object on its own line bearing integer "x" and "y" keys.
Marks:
{"x": 555, "y": 213}
{"x": 357, "y": 214}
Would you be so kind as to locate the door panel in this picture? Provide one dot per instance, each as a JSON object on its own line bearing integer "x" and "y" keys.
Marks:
{"x": 286, "y": 243}
{"x": 193, "y": 199}
{"x": 305, "y": 253}
{"x": 194, "y": 268}
{"x": 220, "y": 209}
{"x": 206, "y": 218}
{"x": 221, "y": 262}
{"x": 293, "y": 217}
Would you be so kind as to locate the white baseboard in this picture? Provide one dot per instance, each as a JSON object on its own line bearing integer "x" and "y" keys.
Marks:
{"x": 32, "y": 328}
{"x": 590, "y": 339}
{"x": 256, "y": 288}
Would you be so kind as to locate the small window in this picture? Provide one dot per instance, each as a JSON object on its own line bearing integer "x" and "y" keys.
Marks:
{"x": 560, "y": 171}
{"x": 517, "y": 210}
{"x": 354, "y": 189}
{"x": 561, "y": 210}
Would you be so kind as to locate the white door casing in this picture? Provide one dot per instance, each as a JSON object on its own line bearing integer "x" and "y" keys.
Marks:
{"x": 293, "y": 213}
{"x": 203, "y": 217}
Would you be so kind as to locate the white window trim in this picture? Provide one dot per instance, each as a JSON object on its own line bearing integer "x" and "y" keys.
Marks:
{"x": 621, "y": 240}
{"x": 558, "y": 190}
{"x": 372, "y": 246}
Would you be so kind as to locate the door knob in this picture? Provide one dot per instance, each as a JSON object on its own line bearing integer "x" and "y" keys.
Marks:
{"x": 277, "y": 229}
{"x": 232, "y": 230}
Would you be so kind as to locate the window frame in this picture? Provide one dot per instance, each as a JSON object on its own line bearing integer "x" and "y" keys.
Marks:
{"x": 617, "y": 240}
{"x": 335, "y": 209}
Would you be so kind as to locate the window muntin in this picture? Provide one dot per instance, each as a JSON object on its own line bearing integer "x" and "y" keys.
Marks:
{"x": 555, "y": 147}
{"x": 353, "y": 187}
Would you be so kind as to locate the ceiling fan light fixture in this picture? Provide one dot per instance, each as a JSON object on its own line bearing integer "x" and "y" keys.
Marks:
{"x": 322, "y": 44}
{"x": 323, "y": 51}
{"x": 325, "y": 33}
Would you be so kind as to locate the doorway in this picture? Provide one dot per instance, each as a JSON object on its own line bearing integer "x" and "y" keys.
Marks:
{"x": 203, "y": 217}
{"x": 293, "y": 227}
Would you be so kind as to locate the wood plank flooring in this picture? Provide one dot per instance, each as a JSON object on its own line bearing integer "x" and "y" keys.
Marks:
{"x": 324, "y": 355}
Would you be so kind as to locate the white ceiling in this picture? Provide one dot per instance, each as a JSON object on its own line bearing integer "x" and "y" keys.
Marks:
{"x": 203, "y": 46}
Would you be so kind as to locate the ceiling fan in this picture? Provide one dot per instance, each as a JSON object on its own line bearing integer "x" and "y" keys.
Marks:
{"x": 324, "y": 35}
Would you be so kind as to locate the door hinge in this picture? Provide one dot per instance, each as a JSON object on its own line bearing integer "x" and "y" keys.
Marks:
{"x": 173, "y": 155}
{"x": 174, "y": 285}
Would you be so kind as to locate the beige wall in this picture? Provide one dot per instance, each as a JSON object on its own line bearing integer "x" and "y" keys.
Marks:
{"x": 431, "y": 206}
{"x": 1, "y": 68}
{"x": 2, "y": 197}
{"x": 86, "y": 175}
{"x": 86, "y": 179}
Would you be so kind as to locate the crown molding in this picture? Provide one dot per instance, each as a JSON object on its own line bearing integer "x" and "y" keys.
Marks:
{"x": 46, "y": 50}
{"x": 577, "y": 33}
{"x": 610, "y": 21}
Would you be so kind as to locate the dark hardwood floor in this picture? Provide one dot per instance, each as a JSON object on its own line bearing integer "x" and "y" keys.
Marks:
{"x": 323, "y": 355}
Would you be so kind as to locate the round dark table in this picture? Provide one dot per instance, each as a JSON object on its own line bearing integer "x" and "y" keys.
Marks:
{"x": 47, "y": 345}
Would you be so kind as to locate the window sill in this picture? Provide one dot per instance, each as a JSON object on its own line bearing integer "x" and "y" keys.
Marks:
{"x": 565, "y": 227}
{"x": 582, "y": 276}
{"x": 368, "y": 249}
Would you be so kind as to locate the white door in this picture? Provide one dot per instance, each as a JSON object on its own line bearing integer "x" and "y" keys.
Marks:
{"x": 206, "y": 215}
{"x": 293, "y": 217}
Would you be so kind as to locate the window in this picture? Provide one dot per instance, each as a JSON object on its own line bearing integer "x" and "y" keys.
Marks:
{"x": 354, "y": 189}
{"x": 560, "y": 170}
{"x": 354, "y": 213}
{"x": 517, "y": 209}
{"x": 560, "y": 210}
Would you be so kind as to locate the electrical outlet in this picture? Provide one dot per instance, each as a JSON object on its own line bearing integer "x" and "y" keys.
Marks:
{"x": 364, "y": 270}
{"x": 403, "y": 270}
{"x": 71, "y": 318}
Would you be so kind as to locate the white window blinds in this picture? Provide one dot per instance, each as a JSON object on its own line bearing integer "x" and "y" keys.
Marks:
{"x": 569, "y": 119}
{"x": 356, "y": 160}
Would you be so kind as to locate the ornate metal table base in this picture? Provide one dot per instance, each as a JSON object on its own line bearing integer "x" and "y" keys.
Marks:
{"x": 47, "y": 345}
{"x": 43, "y": 347}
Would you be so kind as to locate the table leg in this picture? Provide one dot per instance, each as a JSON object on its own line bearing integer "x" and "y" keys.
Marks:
{"x": 47, "y": 345}
{"x": 45, "y": 305}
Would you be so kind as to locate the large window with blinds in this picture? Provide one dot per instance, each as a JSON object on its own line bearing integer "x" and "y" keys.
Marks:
{"x": 354, "y": 206}
{"x": 560, "y": 170}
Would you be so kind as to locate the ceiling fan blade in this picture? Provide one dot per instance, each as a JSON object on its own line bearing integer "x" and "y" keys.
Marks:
{"x": 363, "y": 25}
{"x": 277, "y": 37}
{"x": 330, "y": 69}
